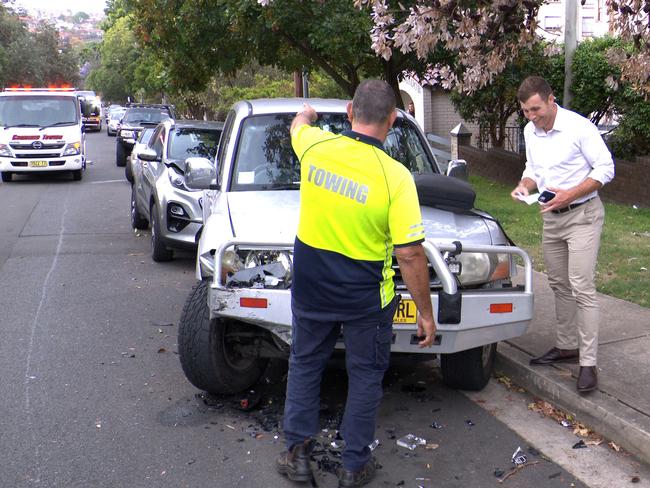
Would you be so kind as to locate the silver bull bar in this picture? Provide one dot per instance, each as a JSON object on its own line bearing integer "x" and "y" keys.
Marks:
{"x": 477, "y": 324}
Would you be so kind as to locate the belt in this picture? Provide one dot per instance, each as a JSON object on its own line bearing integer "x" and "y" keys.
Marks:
{"x": 570, "y": 207}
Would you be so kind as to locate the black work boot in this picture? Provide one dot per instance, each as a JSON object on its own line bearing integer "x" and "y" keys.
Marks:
{"x": 349, "y": 479}
{"x": 294, "y": 463}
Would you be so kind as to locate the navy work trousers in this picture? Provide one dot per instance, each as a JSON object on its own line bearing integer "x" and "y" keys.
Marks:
{"x": 367, "y": 354}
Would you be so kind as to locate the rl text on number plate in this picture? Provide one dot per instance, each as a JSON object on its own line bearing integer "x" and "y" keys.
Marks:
{"x": 406, "y": 312}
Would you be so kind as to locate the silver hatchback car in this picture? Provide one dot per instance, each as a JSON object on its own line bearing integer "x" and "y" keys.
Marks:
{"x": 159, "y": 196}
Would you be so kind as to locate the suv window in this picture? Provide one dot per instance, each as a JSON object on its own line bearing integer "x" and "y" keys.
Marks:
{"x": 138, "y": 116}
{"x": 156, "y": 141}
{"x": 190, "y": 142}
{"x": 265, "y": 159}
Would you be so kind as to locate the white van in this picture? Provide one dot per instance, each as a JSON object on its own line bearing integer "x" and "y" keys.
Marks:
{"x": 41, "y": 130}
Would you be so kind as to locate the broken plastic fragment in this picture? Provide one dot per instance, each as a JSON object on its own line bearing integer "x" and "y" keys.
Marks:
{"x": 273, "y": 275}
{"x": 499, "y": 472}
{"x": 410, "y": 442}
{"x": 374, "y": 445}
{"x": 435, "y": 425}
{"x": 519, "y": 457}
{"x": 565, "y": 423}
{"x": 579, "y": 445}
{"x": 469, "y": 423}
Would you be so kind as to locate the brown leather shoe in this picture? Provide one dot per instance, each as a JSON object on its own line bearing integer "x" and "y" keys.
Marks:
{"x": 587, "y": 379}
{"x": 556, "y": 355}
{"x": 294, "y": 463}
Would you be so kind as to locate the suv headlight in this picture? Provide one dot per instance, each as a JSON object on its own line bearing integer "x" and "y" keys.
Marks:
{"x": 5, "y": 151}
{"x": 177, "y": 179}
{"x": 72, "y": 149}
{"x": 479, "y": 267}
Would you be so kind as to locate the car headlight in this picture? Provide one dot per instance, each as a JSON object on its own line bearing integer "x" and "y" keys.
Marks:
{"x": 176, "y": 179}
{"x": 127, "y": 134}
{"x": 72, "y": 149}
{"x": 479, "y": 267}
{"x": 260, "y": 258}
{"x": 5, "y": 151}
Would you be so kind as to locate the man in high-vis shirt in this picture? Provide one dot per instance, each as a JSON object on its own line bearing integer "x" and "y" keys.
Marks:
{"x": 357, "y": 207}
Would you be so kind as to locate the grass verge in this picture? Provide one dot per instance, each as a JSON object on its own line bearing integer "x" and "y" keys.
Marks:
{"x": 623, "y": 269}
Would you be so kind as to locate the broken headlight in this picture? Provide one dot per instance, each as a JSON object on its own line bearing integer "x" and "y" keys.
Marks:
{"x": 258, "y": 269}
{"x": 478, "y": 267}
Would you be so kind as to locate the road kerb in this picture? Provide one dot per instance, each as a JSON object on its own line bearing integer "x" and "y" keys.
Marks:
{"x": 600, "y": 411}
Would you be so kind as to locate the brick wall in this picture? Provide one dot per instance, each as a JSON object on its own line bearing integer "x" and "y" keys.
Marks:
{"x": 631, "y": 186}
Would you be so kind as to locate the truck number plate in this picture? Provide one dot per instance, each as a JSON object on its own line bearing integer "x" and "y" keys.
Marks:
{"x": 406, "y": 312}
{"x": 37, "y": 164}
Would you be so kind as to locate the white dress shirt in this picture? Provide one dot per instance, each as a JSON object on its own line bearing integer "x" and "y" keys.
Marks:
{"x": 565, "y": 156}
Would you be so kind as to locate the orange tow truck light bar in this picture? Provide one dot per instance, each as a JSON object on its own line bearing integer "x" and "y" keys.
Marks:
{"x": 49, "y": 88}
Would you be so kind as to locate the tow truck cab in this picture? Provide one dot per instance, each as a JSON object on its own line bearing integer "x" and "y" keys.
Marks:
{"x": 41, "y": 129}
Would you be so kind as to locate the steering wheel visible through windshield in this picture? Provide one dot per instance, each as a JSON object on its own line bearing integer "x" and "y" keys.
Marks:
{"x": 265, "y": 159}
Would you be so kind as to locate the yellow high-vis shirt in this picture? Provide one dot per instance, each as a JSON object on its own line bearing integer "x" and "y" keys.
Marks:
{"x": 356, "y": 205}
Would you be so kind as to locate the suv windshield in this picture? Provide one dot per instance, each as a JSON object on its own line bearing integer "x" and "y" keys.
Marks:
{"x": 142, "y": 115}
{"x": 266, "y": 161}
{"x": 189, "y": 142}
{"x": 38, "y": 111}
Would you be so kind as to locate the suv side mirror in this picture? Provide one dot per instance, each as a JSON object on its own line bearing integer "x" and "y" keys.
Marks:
{"x": 148, "y": 154}
{"x": 458, "y": 169}
{"x": 200, "y": 174}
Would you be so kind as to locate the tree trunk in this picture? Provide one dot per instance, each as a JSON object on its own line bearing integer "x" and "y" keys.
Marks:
{"x": 391, "y": 77}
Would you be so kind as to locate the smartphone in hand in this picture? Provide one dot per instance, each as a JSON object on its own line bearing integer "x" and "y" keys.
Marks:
{"x": 546, "y": 196}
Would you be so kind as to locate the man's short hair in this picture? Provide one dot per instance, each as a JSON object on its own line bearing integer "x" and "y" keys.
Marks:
{"x": 373, "y": 102}
{"x": 534, "y": 85}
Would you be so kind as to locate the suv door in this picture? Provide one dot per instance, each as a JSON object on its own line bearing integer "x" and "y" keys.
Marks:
{"x": 150, "y": 168}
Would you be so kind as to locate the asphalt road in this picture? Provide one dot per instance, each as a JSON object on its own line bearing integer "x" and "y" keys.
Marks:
{"x": 93, "y": 395}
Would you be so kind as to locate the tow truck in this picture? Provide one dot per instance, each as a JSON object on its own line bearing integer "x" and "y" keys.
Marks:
{"x": 41, "y": 130}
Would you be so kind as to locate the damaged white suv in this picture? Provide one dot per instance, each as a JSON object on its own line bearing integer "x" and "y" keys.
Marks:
{"x": 239, "y": 314}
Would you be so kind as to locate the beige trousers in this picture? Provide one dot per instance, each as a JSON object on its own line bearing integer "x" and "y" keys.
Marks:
{"x": 570, "y": 243}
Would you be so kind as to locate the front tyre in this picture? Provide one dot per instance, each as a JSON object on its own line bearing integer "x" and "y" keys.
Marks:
{"x": 7, "y": 176}
{"x": 159, "y": 252}
{"x": 120, "y": 155}
{"x": 76, "y": 174}
{"x": 208, "y": 349}
{"x": 468, "y": 370}
{"x": 138, "y": 221}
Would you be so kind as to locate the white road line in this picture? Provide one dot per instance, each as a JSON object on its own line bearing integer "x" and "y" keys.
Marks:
{"x": 29, "y": 376}
{"x": 106, "y": 181}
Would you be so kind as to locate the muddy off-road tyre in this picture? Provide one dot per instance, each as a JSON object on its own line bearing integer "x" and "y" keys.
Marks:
{"x": 468, "y": 370}
{"x": 208, "y": 351}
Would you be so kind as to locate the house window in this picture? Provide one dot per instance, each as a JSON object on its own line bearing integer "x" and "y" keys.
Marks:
{"x": 587, "y": 26}
{"x": 553, "y": 22}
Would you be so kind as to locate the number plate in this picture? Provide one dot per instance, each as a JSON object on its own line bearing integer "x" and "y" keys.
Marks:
{"x": 37, "y": 164}
{"x": 406, "y": 312}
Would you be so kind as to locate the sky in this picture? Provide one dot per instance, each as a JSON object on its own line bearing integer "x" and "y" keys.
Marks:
{"x": 54, "y": 6}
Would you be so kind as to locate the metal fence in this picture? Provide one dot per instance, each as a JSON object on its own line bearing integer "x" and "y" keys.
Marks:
{"x": 514, "y": 140}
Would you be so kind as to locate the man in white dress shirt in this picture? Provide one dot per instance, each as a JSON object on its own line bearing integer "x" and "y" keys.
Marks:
{"x": 566, "y": 155}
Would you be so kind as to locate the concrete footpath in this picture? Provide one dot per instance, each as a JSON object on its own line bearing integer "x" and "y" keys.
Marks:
{"x": 620, "y": 408}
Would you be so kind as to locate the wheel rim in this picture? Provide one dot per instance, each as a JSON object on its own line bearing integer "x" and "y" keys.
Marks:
{"x": 230, "y": 351}
{"x": 132, "y": 206}
{"x": 154, "y": 222}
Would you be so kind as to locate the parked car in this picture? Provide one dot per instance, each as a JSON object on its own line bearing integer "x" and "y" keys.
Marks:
{"x": 133, "y": 120}
{"x": 239, "y": 313}
{"x": 111, "y": 109}
{"x": 140, "y": 144}
{"x": 91, "y": 112}
{"x": 114, "y": 121}
{"x": 159, "y": 196}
